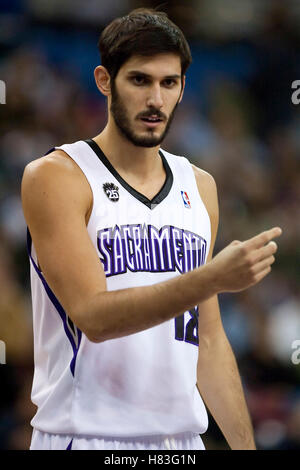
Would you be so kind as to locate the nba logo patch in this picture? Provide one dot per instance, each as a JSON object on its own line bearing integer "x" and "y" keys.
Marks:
{"x": 185, "y": 199}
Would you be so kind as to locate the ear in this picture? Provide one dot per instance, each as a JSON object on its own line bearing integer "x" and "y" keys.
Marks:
{"x": 102, "y": 79}
{"x": 182, "y": 89}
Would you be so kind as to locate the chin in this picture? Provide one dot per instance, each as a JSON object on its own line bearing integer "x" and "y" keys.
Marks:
{"x": 146, "y": 139}
{"x": 146, "y": 142}
{"x": 150, "y": 140}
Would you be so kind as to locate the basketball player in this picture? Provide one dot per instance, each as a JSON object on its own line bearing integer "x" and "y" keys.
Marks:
{"x": 128, "y": 338}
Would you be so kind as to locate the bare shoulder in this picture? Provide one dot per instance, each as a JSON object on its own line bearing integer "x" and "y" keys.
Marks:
{"x": 55, "y": 162}
{"x": 207, "y": 188}
{"x": 53, "y": 179}
{"x": 205, "y": 181}
{"x": 208, "y": 192}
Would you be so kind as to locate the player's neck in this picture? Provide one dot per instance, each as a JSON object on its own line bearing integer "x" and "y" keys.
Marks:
{"x": 127, "y": 158}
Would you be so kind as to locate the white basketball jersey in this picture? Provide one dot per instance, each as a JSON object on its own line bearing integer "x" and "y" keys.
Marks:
{"x": 141, "y": 384}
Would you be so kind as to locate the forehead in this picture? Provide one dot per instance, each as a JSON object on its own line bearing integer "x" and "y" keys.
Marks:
{"x": 160, "y": 64}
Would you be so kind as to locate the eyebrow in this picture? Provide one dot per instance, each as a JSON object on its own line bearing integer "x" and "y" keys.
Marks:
{"x": 146, "y": 75}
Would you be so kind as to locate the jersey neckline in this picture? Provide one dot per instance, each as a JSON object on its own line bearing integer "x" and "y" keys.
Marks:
{"x": 150, "y": 203}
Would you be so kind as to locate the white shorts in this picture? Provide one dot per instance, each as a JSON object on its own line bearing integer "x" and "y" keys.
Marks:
{"x": 185, "y": 441}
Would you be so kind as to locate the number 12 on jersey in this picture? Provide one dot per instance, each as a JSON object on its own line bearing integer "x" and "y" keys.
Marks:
{"x": 188, "y": 332}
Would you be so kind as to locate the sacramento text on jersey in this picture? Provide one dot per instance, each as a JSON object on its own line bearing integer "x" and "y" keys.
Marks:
{"x": 141, "y": 247}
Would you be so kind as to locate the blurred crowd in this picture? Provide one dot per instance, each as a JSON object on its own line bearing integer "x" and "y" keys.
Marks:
{"x": 236, "y": 121}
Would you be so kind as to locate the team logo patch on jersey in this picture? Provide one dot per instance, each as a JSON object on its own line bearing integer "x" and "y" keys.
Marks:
{"x": 185, "y": 199}
{"x": 111, "y": 191}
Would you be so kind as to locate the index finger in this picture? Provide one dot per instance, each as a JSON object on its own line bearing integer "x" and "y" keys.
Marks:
{"x": 264, "y": 237}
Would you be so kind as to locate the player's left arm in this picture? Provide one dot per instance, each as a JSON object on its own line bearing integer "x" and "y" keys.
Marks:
{"x": 218, "y": 378}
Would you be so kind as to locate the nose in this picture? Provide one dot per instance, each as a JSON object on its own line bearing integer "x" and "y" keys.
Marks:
{"x": 155, "y": 99}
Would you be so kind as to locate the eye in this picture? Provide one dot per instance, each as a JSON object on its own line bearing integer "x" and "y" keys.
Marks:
{"x": 138, "y": 80}
{"x": 169, "y": 82}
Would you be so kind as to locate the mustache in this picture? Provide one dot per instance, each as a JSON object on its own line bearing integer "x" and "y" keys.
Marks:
{"x": 151, "y": 112}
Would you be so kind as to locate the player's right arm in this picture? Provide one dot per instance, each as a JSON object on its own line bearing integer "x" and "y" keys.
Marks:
{"x": 57, "y": 200}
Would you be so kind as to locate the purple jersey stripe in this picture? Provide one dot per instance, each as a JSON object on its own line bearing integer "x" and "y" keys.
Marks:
{"x": 58, "y": 307}
{"x": 70, "y": 445}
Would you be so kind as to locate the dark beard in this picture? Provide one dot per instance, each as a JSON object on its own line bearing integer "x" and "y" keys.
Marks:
{"x": 119, "y": 113}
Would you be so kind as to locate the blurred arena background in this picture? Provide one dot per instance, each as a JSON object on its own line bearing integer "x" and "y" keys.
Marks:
{"x": 237, "y": 121}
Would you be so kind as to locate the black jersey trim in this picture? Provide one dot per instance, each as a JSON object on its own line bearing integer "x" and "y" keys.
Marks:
{"x": 158, "y": 198}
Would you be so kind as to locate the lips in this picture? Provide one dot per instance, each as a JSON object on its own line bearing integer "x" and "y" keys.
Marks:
{"x": 151, "y": 121}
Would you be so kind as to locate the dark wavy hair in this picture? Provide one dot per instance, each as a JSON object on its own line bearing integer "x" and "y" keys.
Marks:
{"x": 144, "y": 32}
